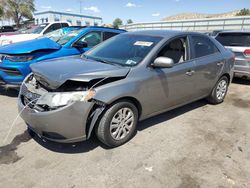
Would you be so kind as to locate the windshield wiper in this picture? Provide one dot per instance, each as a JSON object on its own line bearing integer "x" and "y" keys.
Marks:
{"x": 100, "y": 60}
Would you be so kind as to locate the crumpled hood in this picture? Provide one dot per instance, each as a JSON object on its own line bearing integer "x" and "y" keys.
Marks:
{"x": 30, "y": 46}
{"x": 54, "y": 73}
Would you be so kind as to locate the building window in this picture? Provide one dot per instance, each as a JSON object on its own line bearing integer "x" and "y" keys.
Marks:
{"x": 78, "y": 23}
{"x": 95, "y": 24}
{"x": 46, "y": 20}
{"x": 56, "y": 19}
{"x": 87, "y": 23}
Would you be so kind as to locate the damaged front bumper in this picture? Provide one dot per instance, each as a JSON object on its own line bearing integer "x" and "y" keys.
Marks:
{"x": 65, "y": 124}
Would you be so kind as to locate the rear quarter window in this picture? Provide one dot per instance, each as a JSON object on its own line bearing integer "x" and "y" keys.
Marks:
{"x": 234, "y": 39}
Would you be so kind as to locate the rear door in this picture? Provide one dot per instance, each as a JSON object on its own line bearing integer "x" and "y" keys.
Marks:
{"x": 209, "y": 63}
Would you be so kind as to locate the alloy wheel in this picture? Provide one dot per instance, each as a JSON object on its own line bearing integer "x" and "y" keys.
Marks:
{"x": 121, "y": 123}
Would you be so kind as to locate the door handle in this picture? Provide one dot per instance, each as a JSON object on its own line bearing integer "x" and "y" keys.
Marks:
{"x": 190, "y": 72}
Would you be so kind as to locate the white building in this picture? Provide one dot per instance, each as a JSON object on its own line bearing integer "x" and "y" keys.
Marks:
{"x": 74, "y": 19}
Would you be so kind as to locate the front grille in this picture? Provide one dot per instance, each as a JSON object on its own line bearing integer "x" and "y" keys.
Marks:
{"x": 11, "y": 72}
{"x": 2, "y": 81}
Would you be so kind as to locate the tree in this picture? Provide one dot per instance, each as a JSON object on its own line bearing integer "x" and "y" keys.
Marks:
{"x": 243, "y": 12}
{"x": 18, "y": 9}
{"x": 117, "y": 22}
{"x": 129, "y": 21}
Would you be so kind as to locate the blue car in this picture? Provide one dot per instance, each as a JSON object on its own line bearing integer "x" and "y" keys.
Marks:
{"x": 15, "y": 59}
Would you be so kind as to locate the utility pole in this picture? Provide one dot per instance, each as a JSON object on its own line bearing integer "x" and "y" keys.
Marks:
{"x": 80, "y": 6}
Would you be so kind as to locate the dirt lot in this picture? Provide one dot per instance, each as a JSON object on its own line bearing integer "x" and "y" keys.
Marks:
{"x": 198, "y": 145}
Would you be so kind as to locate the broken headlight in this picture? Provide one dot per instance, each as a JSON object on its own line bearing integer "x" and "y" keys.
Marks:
{"x": 64, "y": 98}
{"x": 19, "y": 58}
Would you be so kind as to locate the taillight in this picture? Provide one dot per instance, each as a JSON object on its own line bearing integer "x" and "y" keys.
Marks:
{"x": 247, "y": 52}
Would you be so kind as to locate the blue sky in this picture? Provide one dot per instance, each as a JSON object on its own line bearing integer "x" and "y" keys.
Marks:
{"x": 140, "y": 10}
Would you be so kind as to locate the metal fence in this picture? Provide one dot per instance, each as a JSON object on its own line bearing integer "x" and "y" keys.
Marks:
{"x": 201, "y": 25}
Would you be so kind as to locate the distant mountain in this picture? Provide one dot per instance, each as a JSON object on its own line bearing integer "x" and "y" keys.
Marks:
{"x": 188, "y": 16}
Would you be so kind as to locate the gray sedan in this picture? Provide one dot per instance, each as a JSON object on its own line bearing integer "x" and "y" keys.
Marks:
{"x": 126, "y": 79}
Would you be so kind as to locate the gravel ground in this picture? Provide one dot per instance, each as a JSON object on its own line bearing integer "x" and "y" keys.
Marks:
{"x": 198, "y": 145}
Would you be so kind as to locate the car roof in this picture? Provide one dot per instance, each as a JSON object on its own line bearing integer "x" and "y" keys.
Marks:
{"x": 109, "y": 28}
{"x": 162, "y": 33}
{"x": 235, "y": 31}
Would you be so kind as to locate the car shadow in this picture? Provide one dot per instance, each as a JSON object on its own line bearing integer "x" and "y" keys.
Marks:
{"x": 170, "y": 114}
{"x": 9, "y": 92}
{"x": 93, "y": 142}
{"x": 72, "y": 148}
{"x": 241, "y": 81}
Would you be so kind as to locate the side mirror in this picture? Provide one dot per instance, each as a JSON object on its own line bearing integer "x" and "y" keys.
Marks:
{"x": 163, "y": 62}
{"x": 80, "y": 44}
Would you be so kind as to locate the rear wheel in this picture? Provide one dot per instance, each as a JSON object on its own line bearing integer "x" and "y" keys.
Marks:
{"x": 118, "y": 124}
{"x": 219, "y": 91}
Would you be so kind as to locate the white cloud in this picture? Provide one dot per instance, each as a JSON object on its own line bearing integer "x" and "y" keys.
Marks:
{"x": 93, "y": 9}
{"x": 46, "y": 7}
{"x": 130, "y": 5}
{"x": 156, "y": 14}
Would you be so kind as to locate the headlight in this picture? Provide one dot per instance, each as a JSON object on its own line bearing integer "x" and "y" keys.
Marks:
{"x": 6, "y": 42}
{"x": 65, "y": 98}
{"x": 19, "y": 58}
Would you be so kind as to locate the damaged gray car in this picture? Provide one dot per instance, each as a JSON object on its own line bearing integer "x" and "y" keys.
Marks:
{"x": 126, "y": 79}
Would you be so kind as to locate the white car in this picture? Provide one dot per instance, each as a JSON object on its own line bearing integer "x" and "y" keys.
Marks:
{"x": 33, "y": 33}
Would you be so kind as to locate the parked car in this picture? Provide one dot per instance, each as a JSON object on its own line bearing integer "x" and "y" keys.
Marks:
{"x": 33, "y": 33}
{"x": 17, "y": 58}
{"x": 131, "y": 77}
{"x": 239, "y": 43}
{"x": 6, "y": 29}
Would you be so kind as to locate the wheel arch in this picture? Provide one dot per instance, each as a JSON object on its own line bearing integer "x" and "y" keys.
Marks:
{"x": 92, "y": 121}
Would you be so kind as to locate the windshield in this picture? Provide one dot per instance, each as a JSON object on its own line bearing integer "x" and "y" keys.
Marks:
{"x": 37, "y": 29}
{"x": 57, "y": 35}
{"x": 125, "y": 50}
{"x": 65, "y": 38}
{"x": 234, "y": 39}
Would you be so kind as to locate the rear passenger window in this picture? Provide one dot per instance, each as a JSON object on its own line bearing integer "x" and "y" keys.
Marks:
{"x": 107, "y": 35}
{"x": 65, "y": 25}
{"x": 203, "y": 46}
{"x": 53, "y": 27}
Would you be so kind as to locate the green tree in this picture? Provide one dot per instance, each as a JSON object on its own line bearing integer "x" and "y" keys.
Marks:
{"x": 243, "y": 12}
{"x": 18, "y": 9}
{"x": 117, "y": 22}
{"x": 129, "y": 21}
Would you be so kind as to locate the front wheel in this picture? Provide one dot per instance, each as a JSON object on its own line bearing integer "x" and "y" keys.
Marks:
{"x": 219, "y": 91}
{"x": 118, "y": 124}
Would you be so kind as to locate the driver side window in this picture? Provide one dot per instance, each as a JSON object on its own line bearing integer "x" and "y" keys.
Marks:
{"x": 92, "y": 38}
{"x": 176, "y": 50}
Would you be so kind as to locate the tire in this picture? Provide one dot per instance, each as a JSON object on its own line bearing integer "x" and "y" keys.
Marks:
{"x": 219, "y": 92}
{"x": 31, "y": 132}
{"x": 113, "y": 130}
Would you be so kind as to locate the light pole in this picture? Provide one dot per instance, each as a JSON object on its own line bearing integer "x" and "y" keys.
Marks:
{"x": 80, "y": 6}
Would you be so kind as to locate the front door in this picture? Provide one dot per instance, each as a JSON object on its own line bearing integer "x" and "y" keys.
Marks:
{"x": 173, "y": 86}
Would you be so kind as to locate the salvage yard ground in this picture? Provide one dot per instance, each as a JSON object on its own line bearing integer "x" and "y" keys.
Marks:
{"x": 198, "y": 145}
